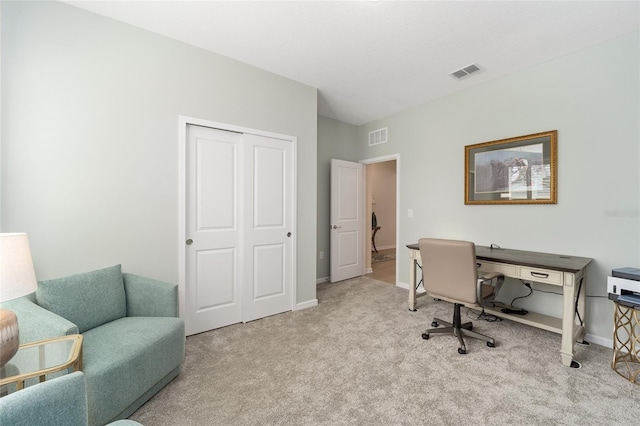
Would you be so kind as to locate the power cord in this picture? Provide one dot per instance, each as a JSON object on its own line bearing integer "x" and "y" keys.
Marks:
{"x": 519, "y": 311}
{"x": 560, "y": 294}
{"x": 483, "y": 316}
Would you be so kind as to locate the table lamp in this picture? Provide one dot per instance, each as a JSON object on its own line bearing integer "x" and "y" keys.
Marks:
{"x": 17, "y": 279}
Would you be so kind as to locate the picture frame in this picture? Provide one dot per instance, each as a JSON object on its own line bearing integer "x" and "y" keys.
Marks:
{"x": 518, "y": 170}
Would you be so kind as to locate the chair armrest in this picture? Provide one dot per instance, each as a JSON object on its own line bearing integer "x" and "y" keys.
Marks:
{"x": 61, "y": 400}
{"x": 147, "y": 297}
{"x": 491, "y": 275}
{"x": 488, "y": 289}
{"x": 37, "y": 323}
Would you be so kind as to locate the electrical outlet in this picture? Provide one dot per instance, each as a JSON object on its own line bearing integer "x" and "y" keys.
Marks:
{"x": 410, "y": 213}
{"x": 321, "y": 255}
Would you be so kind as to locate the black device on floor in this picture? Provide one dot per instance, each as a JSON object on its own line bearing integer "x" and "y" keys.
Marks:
{"x": 515, "y": 311}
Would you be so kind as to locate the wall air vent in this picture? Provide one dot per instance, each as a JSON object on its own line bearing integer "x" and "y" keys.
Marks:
{"x": 466, "y": 71}
{"x": 377, "y": 137}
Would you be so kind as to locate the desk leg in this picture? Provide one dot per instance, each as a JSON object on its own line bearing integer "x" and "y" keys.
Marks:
{"x": 582, "y": 303}
{"x": 412, "y": 283}
{"x": 569, "y": 318}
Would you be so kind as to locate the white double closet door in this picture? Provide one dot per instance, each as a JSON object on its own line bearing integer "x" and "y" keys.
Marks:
{"x": 239, "y": 221}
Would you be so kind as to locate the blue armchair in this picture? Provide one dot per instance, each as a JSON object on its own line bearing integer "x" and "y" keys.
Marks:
{"x": 60, "y": 401}
{"x": 133, "y": 341}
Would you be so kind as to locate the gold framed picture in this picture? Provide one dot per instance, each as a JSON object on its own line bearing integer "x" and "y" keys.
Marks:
{"x": 519, "y": 170}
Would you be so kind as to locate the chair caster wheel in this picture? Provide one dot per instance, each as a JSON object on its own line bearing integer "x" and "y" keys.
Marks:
{"x": 462, "y": 351}
{"x": 434, "y": 323}
{"x": 425, "y": 336}
{"x": 491, "y": 345}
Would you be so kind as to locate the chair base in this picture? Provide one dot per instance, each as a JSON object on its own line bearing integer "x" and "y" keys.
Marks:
{"x": 457, "y": 329}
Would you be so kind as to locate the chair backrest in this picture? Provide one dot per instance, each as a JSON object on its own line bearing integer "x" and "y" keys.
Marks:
{"x": 449, "y": 269}
{"x": 88, "y": 300}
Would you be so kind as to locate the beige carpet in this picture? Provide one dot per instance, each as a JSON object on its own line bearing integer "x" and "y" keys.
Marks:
{"x": 358, "y": 359}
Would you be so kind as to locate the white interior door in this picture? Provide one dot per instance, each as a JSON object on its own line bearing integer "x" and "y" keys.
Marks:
{"x": 213, "y": 274}
{"x": 347, "y": 220}
{"x": 269, "y": 226}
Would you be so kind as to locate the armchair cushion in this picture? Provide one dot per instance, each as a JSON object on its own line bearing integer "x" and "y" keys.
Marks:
{"x": 125, "y": 358}
{"x": 87, "y": 300}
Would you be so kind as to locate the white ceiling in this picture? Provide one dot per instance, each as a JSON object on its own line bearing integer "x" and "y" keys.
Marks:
{"x": 372, "y": 59}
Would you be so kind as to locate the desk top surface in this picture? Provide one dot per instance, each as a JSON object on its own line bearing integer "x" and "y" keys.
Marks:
{"x": 556, "y": 262}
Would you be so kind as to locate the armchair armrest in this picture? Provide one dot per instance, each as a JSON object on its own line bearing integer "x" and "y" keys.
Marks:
{"x": 37, "y": 323}
{"x": 61, "y": 400}
{"x": 147, "y": 297}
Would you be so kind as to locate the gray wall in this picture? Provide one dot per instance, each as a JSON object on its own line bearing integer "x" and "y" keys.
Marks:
{"x": 90, "y": 112}
{"x": 592, "y": 99}
{"x": 335, "y": 140}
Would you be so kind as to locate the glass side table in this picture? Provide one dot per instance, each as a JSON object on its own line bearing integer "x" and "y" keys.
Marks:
{"x": 38, "y": 359}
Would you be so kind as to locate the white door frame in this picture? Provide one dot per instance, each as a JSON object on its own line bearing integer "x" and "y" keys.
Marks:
{"x": 183, "y": 122}
{"x": 382, "y": 159}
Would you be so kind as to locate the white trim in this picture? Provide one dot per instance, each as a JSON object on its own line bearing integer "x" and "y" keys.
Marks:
{"x": 304, "y": 305}
{"x": 183, "y": 122}
{"x": 391, "y": 157}
{"x": 182, "y": 208}
{"x": 322, "y": 280}
{"x": 368, "y": 271}
{"x": 402, "y": 285}
{"x": 607, "y": 343}
{"x": 385, "y": 247}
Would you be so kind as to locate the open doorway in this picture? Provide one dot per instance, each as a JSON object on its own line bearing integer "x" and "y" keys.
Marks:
{"x": 381, "y": 209}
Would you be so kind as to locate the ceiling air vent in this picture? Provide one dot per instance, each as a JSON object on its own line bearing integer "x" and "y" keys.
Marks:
{"x": 466, "y": 71}
{"x": 377, "y": 137}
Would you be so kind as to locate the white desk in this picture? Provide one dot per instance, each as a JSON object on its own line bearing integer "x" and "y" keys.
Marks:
{"x": 566, "y": 272}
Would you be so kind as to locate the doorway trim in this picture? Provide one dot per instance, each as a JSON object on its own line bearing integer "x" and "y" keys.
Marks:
{"x": 383, "y": 159}
{"x": 183, "y": 122}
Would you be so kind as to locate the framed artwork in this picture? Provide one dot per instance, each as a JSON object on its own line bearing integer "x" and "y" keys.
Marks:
{"x": 520, "y": 170}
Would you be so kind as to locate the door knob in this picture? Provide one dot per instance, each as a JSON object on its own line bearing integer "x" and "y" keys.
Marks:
{"x": 288, "y": 234}
{"x": 336, "y": 226}
{"x": 189, "y": 241}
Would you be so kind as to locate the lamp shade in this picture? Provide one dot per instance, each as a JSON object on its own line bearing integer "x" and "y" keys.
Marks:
{"x": 17, "y": 276}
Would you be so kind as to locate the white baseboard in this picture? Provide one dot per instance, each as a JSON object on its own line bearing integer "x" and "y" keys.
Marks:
{"x": 322, "y": 280}
{"x": 607, "y": 343}
{"x": 305, "y": 305}
{"x": 368, "y": 271}
{"x": 402, "y": 285}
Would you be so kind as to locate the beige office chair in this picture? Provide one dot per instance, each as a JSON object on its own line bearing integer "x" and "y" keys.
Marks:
{"x": 450, "y": 273}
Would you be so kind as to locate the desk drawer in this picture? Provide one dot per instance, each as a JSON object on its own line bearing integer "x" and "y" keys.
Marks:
{"x": 507, "y": 270}
{"x": 540, "y": 275}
